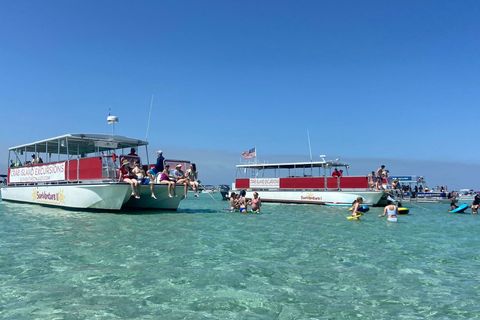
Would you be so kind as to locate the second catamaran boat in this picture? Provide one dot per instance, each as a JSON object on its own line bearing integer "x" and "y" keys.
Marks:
{"x": 82, "y": 171}
{"x": 304, "y": 182}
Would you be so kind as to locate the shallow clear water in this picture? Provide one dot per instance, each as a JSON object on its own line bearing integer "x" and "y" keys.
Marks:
{"x": 290, "y": 262}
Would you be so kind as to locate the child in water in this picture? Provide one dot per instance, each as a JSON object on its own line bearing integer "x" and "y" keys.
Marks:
{"x": 356, "y": 213}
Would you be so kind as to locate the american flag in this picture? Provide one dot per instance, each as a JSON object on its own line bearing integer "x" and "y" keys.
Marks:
{"x": 250, "y": 154}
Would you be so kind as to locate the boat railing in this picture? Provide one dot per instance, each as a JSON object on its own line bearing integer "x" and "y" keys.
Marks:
{"x": 88, "y": 169}
{"x": 305, "y": 183}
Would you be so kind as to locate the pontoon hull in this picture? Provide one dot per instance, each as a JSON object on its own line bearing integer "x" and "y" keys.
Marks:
{"x": 343, "y": 198}
{"x": 78, "y": 196}
{"x": 163, "y": 201}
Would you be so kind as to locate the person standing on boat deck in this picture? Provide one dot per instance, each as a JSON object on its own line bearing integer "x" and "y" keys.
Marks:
{"x": 181, "y": 178}
{"x": 371, "y": 180}
{"x": 475, "y": 204}
{"x": 160, "y": 165}
{"x": 336, "y": 173}
{"x": 127, "y": 176}
{"x": 165, "y": 179}
{"x": 379, "y": 177}
{"x": 133, "y": 152}
{"x": 192, "y": 176}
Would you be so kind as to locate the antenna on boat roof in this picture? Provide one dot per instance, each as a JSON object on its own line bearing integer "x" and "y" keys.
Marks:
{"x": 309, "y": 145}
{"x": 112, "y": 120}
{"x": 148, "y": 121}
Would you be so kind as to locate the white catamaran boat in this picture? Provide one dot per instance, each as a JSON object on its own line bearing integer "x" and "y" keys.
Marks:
{"x": 81, "y": 171}
{"x": 304, "y": 182}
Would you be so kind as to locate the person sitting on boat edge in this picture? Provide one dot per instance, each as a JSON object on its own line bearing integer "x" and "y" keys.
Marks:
{"x": 127, "y": 176}
{"x": 165, "y": 179}
{"x": 390, "y": 210}
{"x": 152, "y": 176}
{"x": 180, "y": 178}
{"x": 255, "y": 202}
{"x": 192, "y": 176}
{"x": 144, "y": 177}
{"x": 475, "y": 204}
{"x": 356, "y": 207}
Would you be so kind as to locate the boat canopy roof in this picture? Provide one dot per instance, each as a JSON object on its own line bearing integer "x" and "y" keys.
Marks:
{"x": 294, "y": 165}
{"x": 74, "y": 143}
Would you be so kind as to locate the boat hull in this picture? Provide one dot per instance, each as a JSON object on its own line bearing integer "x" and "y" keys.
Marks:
{"x": 163, "y": 201}
{"x": 333, "y": 198}
{"x": 78, "y": 196}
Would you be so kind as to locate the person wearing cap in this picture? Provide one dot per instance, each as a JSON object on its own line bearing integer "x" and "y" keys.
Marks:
{"x": 181, "y": 178}
{"x": 160, "y": 165}
{"x": 165, "y": 179}
{"x": 126, "y": 175}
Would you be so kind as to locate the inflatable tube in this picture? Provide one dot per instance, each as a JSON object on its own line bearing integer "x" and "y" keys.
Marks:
{"x": 460, "y": 209}
{"x": 362, "y": 208}
{"x": 403, "y": 210}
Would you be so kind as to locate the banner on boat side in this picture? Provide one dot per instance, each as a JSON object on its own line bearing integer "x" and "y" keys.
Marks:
{"x": 48, "y": 172}
{"x": 265, "y": 183}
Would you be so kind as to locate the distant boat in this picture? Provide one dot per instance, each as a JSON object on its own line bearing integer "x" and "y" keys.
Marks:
{"x": 208, "y": 189}
{"x": 466, "y": 195}
{"x": 305, "y": 182}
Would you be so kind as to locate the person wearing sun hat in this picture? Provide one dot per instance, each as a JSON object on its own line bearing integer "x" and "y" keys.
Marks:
{"x": 127, "y": 176}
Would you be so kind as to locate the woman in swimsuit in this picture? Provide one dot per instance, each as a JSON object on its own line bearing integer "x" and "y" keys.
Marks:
{"x": 127, "y": 176}
{"x": 256, "y": 203}
{"x": 192, "y": 176}
{"x": 165, "y": 179}
{"x": 390, "y": 210}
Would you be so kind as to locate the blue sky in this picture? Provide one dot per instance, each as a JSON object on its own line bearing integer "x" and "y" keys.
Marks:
{"x": 372, "y": 81}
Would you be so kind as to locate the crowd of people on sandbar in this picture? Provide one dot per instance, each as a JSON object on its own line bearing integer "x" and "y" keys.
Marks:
{"x": 239, "y": 202}
{"x": 160, "y": 173}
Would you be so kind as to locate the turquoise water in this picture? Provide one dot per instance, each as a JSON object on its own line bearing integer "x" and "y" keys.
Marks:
{"x": 290, "y": 262}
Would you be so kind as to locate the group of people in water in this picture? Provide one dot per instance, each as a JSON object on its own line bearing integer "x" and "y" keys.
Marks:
{"x": 474, "y": 206}
{"x": 390, "y": 210}
{"x": 160, "y": 173}
{"x": 240, "y": 202}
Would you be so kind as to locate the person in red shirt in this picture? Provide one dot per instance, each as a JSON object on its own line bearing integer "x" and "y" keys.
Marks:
{"x": 336, "y": 173}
